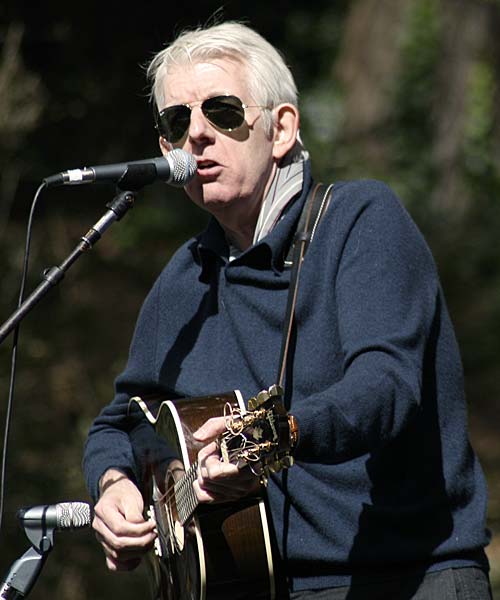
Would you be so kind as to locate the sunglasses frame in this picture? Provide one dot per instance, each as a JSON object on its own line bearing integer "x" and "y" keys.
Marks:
{"x": 237, "y": 109}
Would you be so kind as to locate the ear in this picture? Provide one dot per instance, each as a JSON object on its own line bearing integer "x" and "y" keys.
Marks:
{"x": 165, "y": 146}
{"x": 286, "y": 128}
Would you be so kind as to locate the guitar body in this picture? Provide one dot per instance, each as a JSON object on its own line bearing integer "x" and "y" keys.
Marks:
{"x": 224, "y": 550}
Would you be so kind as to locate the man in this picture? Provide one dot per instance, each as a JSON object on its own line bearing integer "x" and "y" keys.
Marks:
{"x": 386, "y": 499}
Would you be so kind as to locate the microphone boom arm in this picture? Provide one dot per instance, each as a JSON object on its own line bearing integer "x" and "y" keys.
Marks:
{"x": 122, "y": 202}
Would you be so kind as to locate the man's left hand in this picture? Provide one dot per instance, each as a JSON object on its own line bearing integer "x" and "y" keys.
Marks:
{"x": 219, "y": 481}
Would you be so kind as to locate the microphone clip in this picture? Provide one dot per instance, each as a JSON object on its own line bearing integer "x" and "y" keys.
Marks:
{"x": 25, "y": 570}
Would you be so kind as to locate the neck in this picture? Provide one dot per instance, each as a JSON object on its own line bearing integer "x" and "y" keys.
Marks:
{"x": 242, "y": 238}
{"x": 240, "y": 226}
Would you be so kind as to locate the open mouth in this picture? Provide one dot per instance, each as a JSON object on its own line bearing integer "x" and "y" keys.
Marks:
{"x": 205, "y": 165}
{"x": 208, "y": 170}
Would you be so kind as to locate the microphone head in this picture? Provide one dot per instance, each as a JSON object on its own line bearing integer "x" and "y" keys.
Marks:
{"x": 73, "y": 515}
{"x": 183, "y": 167}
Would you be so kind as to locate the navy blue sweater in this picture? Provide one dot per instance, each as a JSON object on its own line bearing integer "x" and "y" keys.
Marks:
{"x": 385, "y": 476}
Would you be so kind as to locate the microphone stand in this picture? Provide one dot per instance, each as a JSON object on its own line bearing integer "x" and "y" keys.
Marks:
{"x": 52, "y": 276}
{"x": 25, "y": 570}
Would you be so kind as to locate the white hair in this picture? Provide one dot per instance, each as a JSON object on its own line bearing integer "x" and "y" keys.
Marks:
{"x": 270, "y": 81}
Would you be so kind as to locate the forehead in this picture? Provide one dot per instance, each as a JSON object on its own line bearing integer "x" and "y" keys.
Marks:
{"x": 194, "y": 82}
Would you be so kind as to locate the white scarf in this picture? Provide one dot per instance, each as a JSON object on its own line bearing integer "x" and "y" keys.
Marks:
{"x": 286, "y": 184}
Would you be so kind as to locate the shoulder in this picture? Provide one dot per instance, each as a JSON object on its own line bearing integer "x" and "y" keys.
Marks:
{"x": 362, "y": 193}
{"x": 185, "y": 256}
{"x": 368, "y": 214}
{"x": 368, "y": 200}
{"x": 179, "y": 268}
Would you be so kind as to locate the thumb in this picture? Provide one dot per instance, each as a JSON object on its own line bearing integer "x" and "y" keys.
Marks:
{"x": 132, "y": 505}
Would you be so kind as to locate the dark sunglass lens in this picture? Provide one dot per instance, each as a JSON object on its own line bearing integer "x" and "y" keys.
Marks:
{"x": 226, "y": 112}
{"x": 174, "y": 122}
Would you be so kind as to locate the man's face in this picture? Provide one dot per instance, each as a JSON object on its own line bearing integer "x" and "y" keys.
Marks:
{"x": 234, "y": 167}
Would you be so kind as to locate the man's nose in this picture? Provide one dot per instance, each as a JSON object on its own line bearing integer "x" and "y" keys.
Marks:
{"x": 199, "y": 126}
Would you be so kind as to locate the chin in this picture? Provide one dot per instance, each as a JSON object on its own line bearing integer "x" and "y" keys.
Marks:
{"x": 216, "y": 206}
{"x": 215, "y": 197}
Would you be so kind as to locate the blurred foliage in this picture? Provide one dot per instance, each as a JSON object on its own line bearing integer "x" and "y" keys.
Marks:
{"x": 411, "y": 128}
{"x": 402, "y": 90}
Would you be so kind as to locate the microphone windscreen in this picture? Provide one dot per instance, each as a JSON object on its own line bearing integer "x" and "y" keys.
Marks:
{"x": 73, "y": 515}
{"x": 183, "y": 167}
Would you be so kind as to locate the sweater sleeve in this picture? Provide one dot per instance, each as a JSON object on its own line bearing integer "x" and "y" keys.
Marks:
{"x": 108, "y": 444}
{"x": 386, "y": 300}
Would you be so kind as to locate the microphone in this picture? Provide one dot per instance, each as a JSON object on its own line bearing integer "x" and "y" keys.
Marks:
{"x": 40, "y": 523}
{"x": 64, "y": 515}
{"x": 177, "y": 169}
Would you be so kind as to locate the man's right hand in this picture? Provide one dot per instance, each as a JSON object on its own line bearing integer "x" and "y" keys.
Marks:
{"x": 119, "y": 523}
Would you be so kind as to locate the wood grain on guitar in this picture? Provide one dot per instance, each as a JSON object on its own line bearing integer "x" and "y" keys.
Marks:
{"x": 219, "y": 551}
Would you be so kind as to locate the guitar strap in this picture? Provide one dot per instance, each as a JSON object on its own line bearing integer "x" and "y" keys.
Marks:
{"x": 314, "y": 208}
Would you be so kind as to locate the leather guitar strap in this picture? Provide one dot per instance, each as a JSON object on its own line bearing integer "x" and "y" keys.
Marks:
{"x": 314, "y": 208}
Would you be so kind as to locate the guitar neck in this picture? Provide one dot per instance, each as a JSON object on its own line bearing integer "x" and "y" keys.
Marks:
{"x": 185, "y": 497}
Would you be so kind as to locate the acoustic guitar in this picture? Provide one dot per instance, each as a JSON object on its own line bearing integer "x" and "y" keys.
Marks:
{"x": 213, "y": 551}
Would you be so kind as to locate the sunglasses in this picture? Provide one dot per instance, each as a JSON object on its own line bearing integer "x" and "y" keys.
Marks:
{"x": 225, "y": 112}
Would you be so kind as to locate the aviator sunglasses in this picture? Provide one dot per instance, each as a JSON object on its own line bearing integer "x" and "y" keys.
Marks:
{"x": 225, "y": 112}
